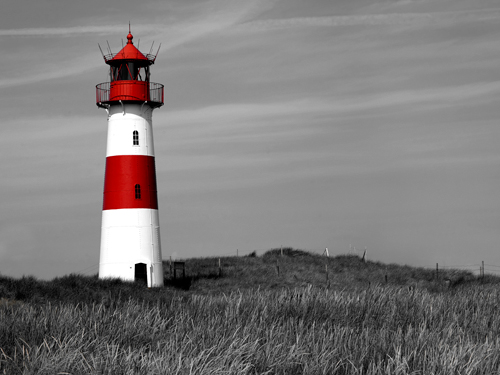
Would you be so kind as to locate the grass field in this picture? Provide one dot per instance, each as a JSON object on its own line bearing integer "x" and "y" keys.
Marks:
{"x": 293, "y": 314}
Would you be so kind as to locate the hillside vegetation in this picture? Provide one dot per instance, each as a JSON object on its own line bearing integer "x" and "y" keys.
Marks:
{"x": 297, "y": 268}
{"x": 293, "y": 314}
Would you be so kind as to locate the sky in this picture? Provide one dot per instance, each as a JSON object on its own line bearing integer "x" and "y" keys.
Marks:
{"x": 313, "y": 124}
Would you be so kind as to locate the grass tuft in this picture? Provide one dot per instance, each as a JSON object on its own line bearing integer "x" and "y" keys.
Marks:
{"x": 296, "y": 313}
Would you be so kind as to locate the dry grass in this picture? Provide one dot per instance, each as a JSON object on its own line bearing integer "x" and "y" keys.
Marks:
{"x": 360, "y": 329}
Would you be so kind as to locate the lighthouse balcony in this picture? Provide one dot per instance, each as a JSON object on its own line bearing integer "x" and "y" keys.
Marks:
{"x": 129, "y": 91}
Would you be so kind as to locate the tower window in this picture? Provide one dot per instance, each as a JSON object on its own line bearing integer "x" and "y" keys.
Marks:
{"x": 137, "y": 191}
{"x": 135, "y": 138}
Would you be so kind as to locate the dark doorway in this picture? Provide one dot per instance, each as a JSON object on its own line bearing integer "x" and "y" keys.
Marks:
{"x": 141, "y": 273}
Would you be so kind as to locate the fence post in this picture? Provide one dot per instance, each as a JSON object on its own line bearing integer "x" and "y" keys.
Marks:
{"x": 220, "y": 269}
{"x": 437, "y": 272}
{"x": 482, "y": 270}
{"x": 281, "y": 250}
{"x": 170, "y": 266}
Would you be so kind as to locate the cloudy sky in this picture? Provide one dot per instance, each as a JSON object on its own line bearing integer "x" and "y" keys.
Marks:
{"x": 311, "y": 124}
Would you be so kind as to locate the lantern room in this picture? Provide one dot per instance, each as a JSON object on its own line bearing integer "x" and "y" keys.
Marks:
{"x": 129, "y": 78}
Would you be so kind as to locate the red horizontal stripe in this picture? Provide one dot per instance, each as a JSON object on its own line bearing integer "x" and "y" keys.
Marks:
{"x": 123, "y": 172}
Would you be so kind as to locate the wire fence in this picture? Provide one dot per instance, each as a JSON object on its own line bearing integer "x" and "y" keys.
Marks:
{"x": 91, "y": 270}
{"x": 475, "y": 268}
{"x": 259, "y": 252}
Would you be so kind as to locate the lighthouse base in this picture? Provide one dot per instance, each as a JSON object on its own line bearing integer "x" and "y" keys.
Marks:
{"x": 130, "y": 246}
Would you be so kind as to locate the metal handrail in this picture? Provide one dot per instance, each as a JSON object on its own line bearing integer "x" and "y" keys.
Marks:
{"x": 156, "y": 91}
{"x": 102, "y": 92}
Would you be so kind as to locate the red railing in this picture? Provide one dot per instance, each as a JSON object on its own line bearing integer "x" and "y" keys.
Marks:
{"x": 151, "y": 92}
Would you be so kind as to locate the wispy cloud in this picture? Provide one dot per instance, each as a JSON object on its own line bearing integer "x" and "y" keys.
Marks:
{"x": 235, "y": 114}
{"x": 219, "y": 15}
{"x": 375, "y": 19}
{"x": 62, "y": 31}
{"x": 80, "y": 65}
{"x": 270, "y": 137}
{"x": 213, "y": 16}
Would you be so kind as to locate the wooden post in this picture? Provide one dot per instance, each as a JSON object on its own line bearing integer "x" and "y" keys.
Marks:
{"x": 482, "y": 270}
{"x": 170, "y": 266}
{"x": 364, "y": 256}
{"x": 326, "y": 252}
{"x": 220, "y": 269}
{"x": 437, "y": 271}
{"x": 326, "y": 272}
{"x": 281, "y": 250}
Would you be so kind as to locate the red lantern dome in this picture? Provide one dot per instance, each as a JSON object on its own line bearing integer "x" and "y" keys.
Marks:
{"x": 129, "y": 78}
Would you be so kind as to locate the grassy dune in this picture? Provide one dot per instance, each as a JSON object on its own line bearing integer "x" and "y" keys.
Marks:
{"x": 251, "y": 320}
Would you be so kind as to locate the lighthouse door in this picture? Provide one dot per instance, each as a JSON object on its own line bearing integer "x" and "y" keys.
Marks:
{"x": 141, "y": 273}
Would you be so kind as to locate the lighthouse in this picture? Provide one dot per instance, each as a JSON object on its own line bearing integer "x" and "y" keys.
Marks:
{"x": 130, "y": 231}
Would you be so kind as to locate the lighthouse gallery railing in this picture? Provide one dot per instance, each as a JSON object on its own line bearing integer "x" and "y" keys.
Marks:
{"x": 155, "y": 94}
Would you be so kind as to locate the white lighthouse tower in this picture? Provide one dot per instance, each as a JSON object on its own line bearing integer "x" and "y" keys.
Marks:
{"x": 130, "y": 233}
